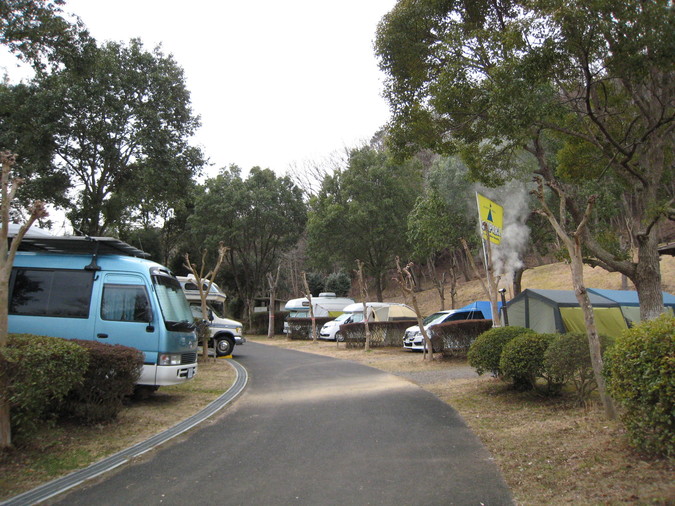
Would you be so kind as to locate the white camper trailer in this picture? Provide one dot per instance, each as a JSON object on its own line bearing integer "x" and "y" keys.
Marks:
{"x": 326, "y": 304}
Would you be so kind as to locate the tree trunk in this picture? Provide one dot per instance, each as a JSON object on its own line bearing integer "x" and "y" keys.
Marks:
{"x": 572, "y": 242}
{"x": 378, "y": 288}
{"x": 517, "y": 281}
{"x": 308, "y": 294}
{"x": 273, "y": 281}
{"x": 648, "y": 278}
{"x": 581, "y": 293}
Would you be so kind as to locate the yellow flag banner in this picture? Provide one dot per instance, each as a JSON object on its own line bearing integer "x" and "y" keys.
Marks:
{"x": 491, "y": 219}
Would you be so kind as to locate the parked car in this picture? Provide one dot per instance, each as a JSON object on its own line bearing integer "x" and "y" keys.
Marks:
{"x": 377, "y": 312}
{"x": 413, "y": 338}
{"x": 225, "y": 333}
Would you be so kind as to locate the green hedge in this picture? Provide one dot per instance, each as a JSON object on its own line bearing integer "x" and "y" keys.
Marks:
{"x": 568, "y": 358}
{"x": 110, "y": 377}
{"x": 41, "y": 371}
{"x": 260, "y": 322}
{"x": 522, "y": 361}
{"x": 486, "y": 351}
{"x": 640, "y": 372}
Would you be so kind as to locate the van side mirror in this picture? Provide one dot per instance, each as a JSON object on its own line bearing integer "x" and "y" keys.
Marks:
{"x": 210, "y": 315}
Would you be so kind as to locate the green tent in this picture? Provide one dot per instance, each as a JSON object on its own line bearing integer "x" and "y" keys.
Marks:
{"x": 548, "y": 311}
{"x": 629, "y": 302}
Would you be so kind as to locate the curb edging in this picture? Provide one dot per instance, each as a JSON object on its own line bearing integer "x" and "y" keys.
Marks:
{"x": 69, "y": 481}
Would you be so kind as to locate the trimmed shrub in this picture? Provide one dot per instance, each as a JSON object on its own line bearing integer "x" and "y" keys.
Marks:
{"x": 456, "y": 337}
{"x": 522, "y": 361}
{"x": 41, "y": 371}
{"x": 260, "y": 322}
{"x": 382, "y": 334}
{"x": 640, "y": 372}
{"x": 568, "y": 358}
{"x": 301, "y": 328}
{"x": 111, "y": 376}
{"x": 486, "y": 351}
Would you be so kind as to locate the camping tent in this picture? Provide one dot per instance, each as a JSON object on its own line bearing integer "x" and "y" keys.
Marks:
{"x": 550, "y": 311}
{"x": 483, "y": 306}
{"x": 393, "y": 312}
{"x": 628, "y": 300}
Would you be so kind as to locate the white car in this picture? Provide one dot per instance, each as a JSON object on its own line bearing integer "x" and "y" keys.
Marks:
{"x": 331, "y": 330}
{"x": 413, "y": 338}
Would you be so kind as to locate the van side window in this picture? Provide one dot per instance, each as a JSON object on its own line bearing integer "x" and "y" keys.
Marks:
{"x": 128, "y": 303}
{"x": 50, "y": 292}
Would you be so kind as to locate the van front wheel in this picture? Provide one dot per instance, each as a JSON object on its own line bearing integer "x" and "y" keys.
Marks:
{"x": 224, "y": 346}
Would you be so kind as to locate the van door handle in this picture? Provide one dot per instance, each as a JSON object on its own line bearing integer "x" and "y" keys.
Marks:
{"x": 102, "y": 336}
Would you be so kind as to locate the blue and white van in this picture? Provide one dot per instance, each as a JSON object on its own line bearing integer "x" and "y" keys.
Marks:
{"x": 104, "y": 290}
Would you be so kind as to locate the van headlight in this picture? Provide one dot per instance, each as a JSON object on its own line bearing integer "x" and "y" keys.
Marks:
{"x": 169, "y": 359}
{"x": 238, "y": 330}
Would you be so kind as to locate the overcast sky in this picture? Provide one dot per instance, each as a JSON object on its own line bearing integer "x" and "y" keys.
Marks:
{"x": 276, "y": 83}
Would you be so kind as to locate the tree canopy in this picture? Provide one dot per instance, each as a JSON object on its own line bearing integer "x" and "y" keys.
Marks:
{"x": 258, "y": 218}
{"x": 585, "y": 88}
{"x": 361, "y": 213}
{"x": 121, "y": 133}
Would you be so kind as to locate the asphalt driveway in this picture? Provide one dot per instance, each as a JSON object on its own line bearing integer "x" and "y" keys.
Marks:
{"x": 314, "y": 430}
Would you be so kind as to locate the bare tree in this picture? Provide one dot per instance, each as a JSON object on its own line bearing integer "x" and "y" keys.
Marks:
{"x": 308, "y": 294}
{"x": 309, "y": 175}
{"x": 364, "y": 296}
{"x": 473, "y": 266}
{"x": 204, "y": 280}
{"x": 7, "y": 254}
{"x": 439, "y": 280}
{"x": 405, "y": 282}
{"x": 573, "y": 243}
{"x": 272, "y": 281}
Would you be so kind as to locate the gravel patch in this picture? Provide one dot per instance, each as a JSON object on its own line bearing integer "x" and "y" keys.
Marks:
{"x": 438, "y": 376}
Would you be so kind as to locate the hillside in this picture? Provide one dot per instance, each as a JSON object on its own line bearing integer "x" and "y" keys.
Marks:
{"x": 554, "y": 276}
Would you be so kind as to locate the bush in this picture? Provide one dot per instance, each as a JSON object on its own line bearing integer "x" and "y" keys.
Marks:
{"x": 382, "y": 334}
{"x": 640, "y": 372}
{"x": 456, "y": 337}
{"x": 111, "y": 376}
{"x": 301, "y": 328}
{"x": 568, "y": 358}
{"x": 260, "y": 322}
{"x": 486, "y": 350}
{"x": 41, "y": 371}
{"x": 522, "y": 361}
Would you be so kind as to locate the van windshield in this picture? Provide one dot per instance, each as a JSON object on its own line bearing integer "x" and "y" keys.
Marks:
{"x": 174, "y": 305}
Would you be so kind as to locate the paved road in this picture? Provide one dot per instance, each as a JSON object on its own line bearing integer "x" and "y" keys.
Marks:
{"x": 312, "y": 430}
